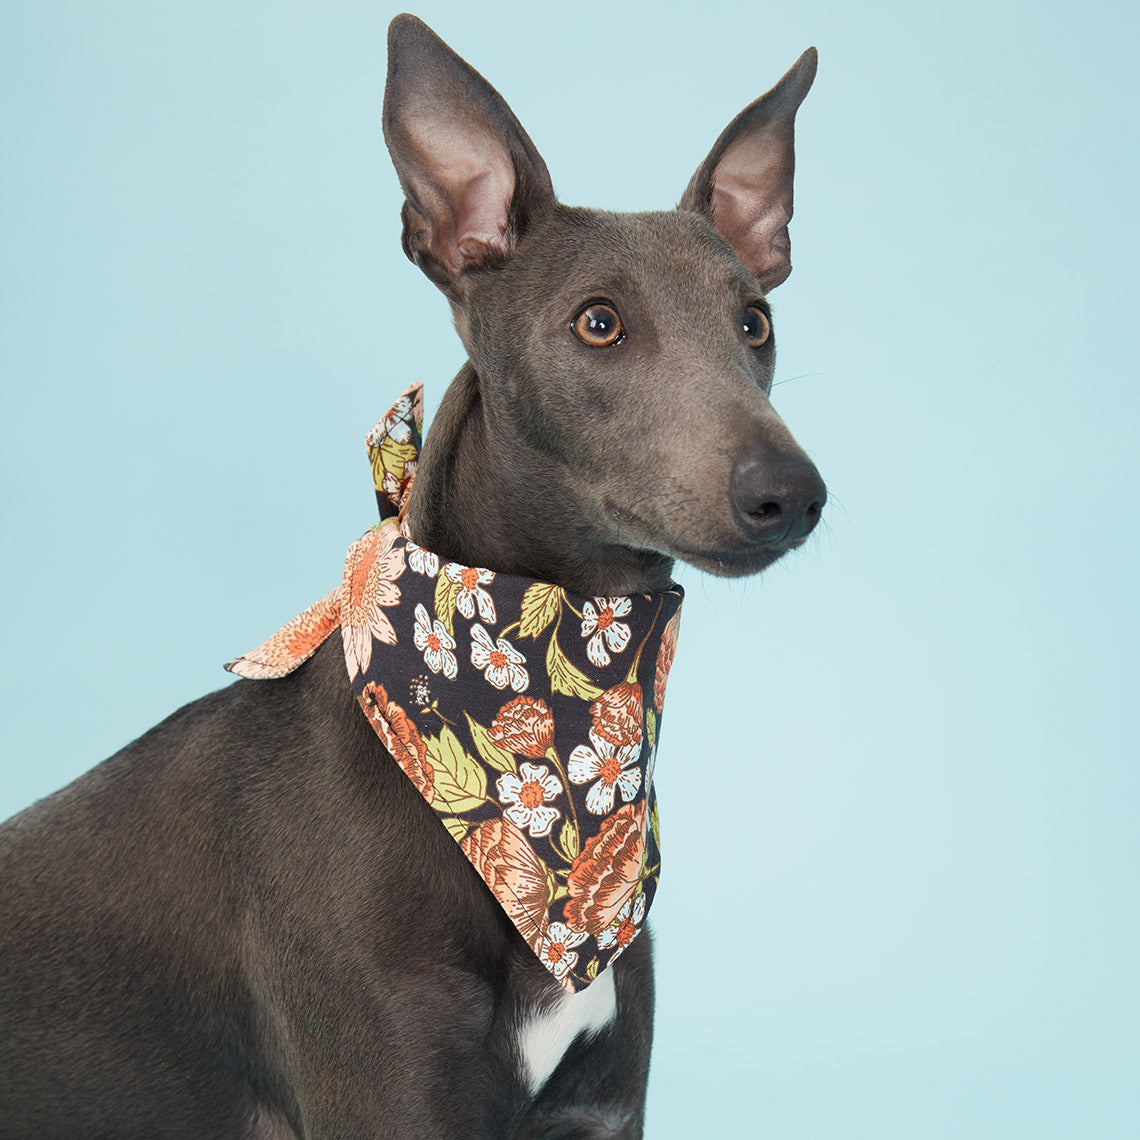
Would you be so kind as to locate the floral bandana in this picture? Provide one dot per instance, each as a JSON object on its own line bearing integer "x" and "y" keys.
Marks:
{"x": 525, "y": 715}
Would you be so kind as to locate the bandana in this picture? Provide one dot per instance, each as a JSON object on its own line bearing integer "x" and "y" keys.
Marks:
{"x": 525, "y": 715}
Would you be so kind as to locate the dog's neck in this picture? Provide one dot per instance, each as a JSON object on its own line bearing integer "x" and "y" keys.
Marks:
{"x": 476, "y": 507}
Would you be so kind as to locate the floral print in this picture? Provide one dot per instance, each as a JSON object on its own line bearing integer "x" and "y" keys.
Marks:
{"x": 435, "y": 643}
{"x": 533, "y": 745}
{"x": 397, "y": 490}
{"x": 293, "y": 643}
{"x": 557, "y": 953}
{"x": 665, "y": 660}
{"x": 600, "y": 625}
{"x": 498, "y": 850}
{"x": 625, "y": 926}
{"x": 471, "y": 580}
{"x": 525, "y": 726}
{"x": 370, "y": 572}
{"x": 423, "y": 561}
{"x": 528, "y": 793}
{"x": 501, "y": 663}
{"x": 608, "y": 870}
{"x": 618, "y": 714}
{"x": 614, "y": 768}
{"x": 400, "y": 736}
{"x": 393, "y": 453}
{"x": 396, "y": 424}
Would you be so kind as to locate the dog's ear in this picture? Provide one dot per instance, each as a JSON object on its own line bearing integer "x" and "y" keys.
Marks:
{"x": 472, "y": 178}
{"x": 744, "y": 187}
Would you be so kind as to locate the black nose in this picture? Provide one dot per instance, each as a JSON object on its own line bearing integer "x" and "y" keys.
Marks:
{"x": 777, "y": 497}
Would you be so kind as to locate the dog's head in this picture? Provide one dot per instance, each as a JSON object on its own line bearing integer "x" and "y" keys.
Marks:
{"x": 625, "y": 358}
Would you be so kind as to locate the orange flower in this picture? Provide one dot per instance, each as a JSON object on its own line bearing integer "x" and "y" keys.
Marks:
{"x": 292, "y": 643}
{"x": 525, "y": 726}
{"x": 400, "y": 736}
{"x": 665, "y": 658}
{"x": 618, "y": 714}
{"x": 607, "y": 871}
{"x": 498, "y": 850}
{"x": 370, "y": 572}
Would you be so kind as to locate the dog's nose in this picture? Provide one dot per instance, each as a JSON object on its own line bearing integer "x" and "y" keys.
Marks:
{"x": 777, "y": 497}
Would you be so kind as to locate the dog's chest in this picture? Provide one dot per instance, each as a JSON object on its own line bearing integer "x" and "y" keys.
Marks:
{"x": 544, "y": 1036}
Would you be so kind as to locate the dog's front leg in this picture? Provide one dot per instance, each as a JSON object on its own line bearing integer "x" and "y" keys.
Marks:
{"x": 597, "y": 1092}
{"x": 408, "y": 1061}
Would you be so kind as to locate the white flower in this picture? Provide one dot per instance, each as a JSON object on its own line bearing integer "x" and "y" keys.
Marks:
{"x": 437, "y": 644}
{"x": 422, "y": 561}
{"x": 501, "y": 663}
{"x": 622, "y": 931}
{"x": 598, "y": 619}
{"x": 527, "y": 794}
{"x": 557, "y": 951}
{"x": 396, "y": 424}
{"x": 610, "y": 766}
{"x": 392, "y": 487}
{"x": 471, "y": 581}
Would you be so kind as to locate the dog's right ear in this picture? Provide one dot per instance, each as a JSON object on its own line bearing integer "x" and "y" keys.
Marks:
{"x": 472, "y": 178}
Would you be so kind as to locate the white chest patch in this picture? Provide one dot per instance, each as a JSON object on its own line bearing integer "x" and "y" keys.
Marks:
{"x": 544, "y": 1037}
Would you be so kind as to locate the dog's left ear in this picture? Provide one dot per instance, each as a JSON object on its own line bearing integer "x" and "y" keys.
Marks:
{"x": 744, "y": 187}
{"x": 473, "y": 180}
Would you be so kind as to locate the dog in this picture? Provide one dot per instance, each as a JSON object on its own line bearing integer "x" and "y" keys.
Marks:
{"x": 215, "y": 933}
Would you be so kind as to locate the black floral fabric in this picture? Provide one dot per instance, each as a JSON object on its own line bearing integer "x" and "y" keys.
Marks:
{"x": 525, "y": 715}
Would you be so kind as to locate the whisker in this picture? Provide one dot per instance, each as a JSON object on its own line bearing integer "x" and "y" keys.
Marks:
{"x": 801, "y": 376}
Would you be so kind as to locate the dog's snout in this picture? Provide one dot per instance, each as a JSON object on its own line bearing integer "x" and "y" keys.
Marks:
{"x": 777, "y": 497}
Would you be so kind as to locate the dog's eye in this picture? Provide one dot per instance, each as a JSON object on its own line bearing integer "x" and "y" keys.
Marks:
{"x": 598, "y": 326}
{"x": 757, "y": 328}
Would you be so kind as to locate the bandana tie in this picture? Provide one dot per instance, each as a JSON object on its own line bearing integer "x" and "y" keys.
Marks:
{"x": 525, "y": 715}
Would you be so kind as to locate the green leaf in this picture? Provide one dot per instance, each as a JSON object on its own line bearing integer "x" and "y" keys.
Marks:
{"x": 541, "y": 604}
{"x": 566, "y": 677}
{"x": 592, "y": 969}
{"x": 460, "y": 784}
{"x": 395, "y": 456}
{"x": 655, "y": 823}
{"x": 457, "y": 828}
{"x": 562, "y": 891}
{"x": 492, "y": 752}
{"x": 568, "y": 841}
{"x": 651, "y": 727}
{"x": 446, "y": 591}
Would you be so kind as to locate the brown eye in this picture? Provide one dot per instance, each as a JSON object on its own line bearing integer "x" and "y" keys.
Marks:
{"x": 756, "y": 327}
{"x": 598, "y": 326}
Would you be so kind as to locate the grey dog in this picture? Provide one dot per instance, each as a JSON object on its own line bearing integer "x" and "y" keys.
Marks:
{"x": 212, "y": 933}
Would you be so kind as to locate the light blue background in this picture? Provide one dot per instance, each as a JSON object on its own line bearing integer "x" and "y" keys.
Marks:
{"x": 899, "y": 778}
